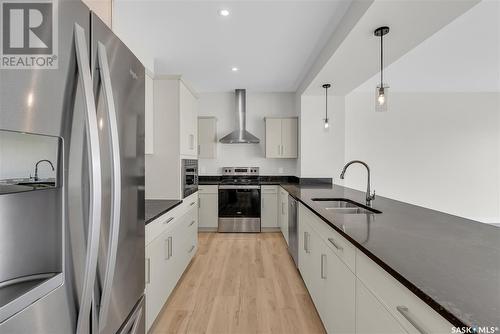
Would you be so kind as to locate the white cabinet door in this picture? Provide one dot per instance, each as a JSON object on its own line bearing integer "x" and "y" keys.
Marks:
{"x": 149, "y": 115}
{"x": 289, "y": 140}
{"x": 337, "y": 286}
{"x": 306, "y": 248}
{"x": 160, "y": 276}
{"x": 188, "y": 123}
{"x": 273, "y": 138}
{"x": 208, "y": 210}
{"x": 269, "y": 208}
{"x": 207, "y": 137}
{"x": 371, "y": 316}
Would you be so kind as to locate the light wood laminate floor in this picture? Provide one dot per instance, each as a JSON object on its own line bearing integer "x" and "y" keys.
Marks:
{"x": 240, "y": 283}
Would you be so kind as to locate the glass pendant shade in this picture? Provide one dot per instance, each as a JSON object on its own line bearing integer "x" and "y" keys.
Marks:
{"x": 381, "y": 98}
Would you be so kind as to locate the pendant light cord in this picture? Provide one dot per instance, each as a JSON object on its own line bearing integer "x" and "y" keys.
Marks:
{"x": 326, "y": 103}
{"x": 381, "y": 61}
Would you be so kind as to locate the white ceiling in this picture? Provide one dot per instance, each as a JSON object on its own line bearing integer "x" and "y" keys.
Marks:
{"x": 273, "y": 43}
{"x": 411, "y": 22}
{"x": 452, "y": 60}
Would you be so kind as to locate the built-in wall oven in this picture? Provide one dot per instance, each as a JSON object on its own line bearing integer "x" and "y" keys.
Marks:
{"x": 239, "y": 200}
{"x": 189, "y": 177}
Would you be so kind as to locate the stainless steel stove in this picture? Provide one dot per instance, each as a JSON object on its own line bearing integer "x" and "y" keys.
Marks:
{"x": 239, "y": 200}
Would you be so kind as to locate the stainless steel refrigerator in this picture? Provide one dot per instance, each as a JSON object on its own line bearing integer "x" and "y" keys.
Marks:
{"x": 72, "y": 254}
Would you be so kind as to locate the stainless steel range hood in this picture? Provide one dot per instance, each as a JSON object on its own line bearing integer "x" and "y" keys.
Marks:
{"x": 240, "y": 135}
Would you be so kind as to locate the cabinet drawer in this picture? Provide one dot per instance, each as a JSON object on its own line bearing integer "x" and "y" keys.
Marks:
{"x": 188, "y": 223}
{"x": 413, "y": 314}
{"x": 208, "y": 189}
{"x": 337, "y": 243}
{"x": 269, "y": 189}
{"x": 161, "y": 224}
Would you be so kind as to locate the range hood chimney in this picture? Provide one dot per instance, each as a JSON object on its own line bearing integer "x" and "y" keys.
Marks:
{"x": 240, "y": 135}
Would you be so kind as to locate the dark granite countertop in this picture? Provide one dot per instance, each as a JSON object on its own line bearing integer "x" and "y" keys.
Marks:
{"x": 451, "y": 263}
{"x": 156, "y": 207}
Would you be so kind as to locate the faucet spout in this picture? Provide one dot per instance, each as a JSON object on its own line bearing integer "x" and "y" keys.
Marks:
{"x": 369, "y": 196}
{"x": 36, "y": 167}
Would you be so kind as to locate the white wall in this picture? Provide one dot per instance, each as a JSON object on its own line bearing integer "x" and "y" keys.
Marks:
{"x": 20, "y": 152}
{"x": 259, "y": 105}
{"x": 321, "y": 151}
{"x": 439, "y": 144}
{"x": 437, "y": 150}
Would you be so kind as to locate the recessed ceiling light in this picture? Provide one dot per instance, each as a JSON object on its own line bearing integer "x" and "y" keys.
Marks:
{"x": 224, "y": 12}
{"x": 234, "y": 69}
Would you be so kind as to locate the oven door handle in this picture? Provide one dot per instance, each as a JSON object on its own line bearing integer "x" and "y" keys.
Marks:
{"x": 222, "y": 187}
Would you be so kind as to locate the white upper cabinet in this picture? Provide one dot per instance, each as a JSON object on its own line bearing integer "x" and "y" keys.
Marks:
{"x": 188, "y": 108}
{"x": 149, "y": 115}
{"x": 207, "y": 137}
{"x": 282, "y": 137}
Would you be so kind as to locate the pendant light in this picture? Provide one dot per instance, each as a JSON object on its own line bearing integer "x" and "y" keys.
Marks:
{"x": 381, "y": 91}
{"x": 326, "y": 86}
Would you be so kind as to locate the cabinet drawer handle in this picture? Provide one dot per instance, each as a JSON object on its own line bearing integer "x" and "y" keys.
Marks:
{"x": 194, "y": 221}
{"x": 168, "y": 220}
{"x": 306, "y": 242}
{"x": 190, "y": 250}
{"x": 167, "y": 248}
{"x": 406, "y": 314}
{"x": 148, "y": 271}
{"x": 323, "y": 266}
{"x": 170, "y": 247}
{"x": 192, "y": 203}
{"x": 335, "y": 245}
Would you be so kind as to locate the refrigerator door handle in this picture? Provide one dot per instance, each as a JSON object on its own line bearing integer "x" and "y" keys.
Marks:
{"x": 131, "y": 326}
{"x": 94, "y": 227}
{"x": 105, "y": 77}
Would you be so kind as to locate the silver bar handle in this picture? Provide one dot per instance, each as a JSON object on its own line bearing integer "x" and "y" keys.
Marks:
{"x": 105, "y": 77}
{"x": 306, "y": 246}
{"x": 170, "y": 241}
{"x": 192, "y": 203}
{"x": 323, "y": 266}
{"x": 131, "y": 326}
{"x": 94, "y": 227}
{"x": 191, "y": 224}
{"x": 148, "y": 270}
{"x": 406, "y": 314}
{"x": 191, "y": 249}
{"x": 167, "y": 248}
{"x": 335, "y": 245}
{"x": 244, "y": 187}
{"x": 168, "y": 220}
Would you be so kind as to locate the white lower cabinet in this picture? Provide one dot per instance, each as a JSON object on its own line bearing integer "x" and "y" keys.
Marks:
{"x": 352, "y": 294}
{"x": 269, "y": 207}
{"x": 337, "y": 289}
{"x": 330, "y": 282}
{"x": 372, "y": 316}
{"x": 208, "y": 207}
{"x": 283, "y": 213}
{"x": 171, "y": 242}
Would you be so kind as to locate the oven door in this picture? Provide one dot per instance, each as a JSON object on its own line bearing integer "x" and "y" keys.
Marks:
{"x": 239, "y": 208}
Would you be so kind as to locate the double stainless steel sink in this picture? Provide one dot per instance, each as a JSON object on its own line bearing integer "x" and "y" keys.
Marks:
{"x": 344, "y": 206}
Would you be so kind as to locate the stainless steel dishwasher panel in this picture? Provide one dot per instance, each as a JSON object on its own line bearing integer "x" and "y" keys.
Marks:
{"x": 293, "y": 237}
